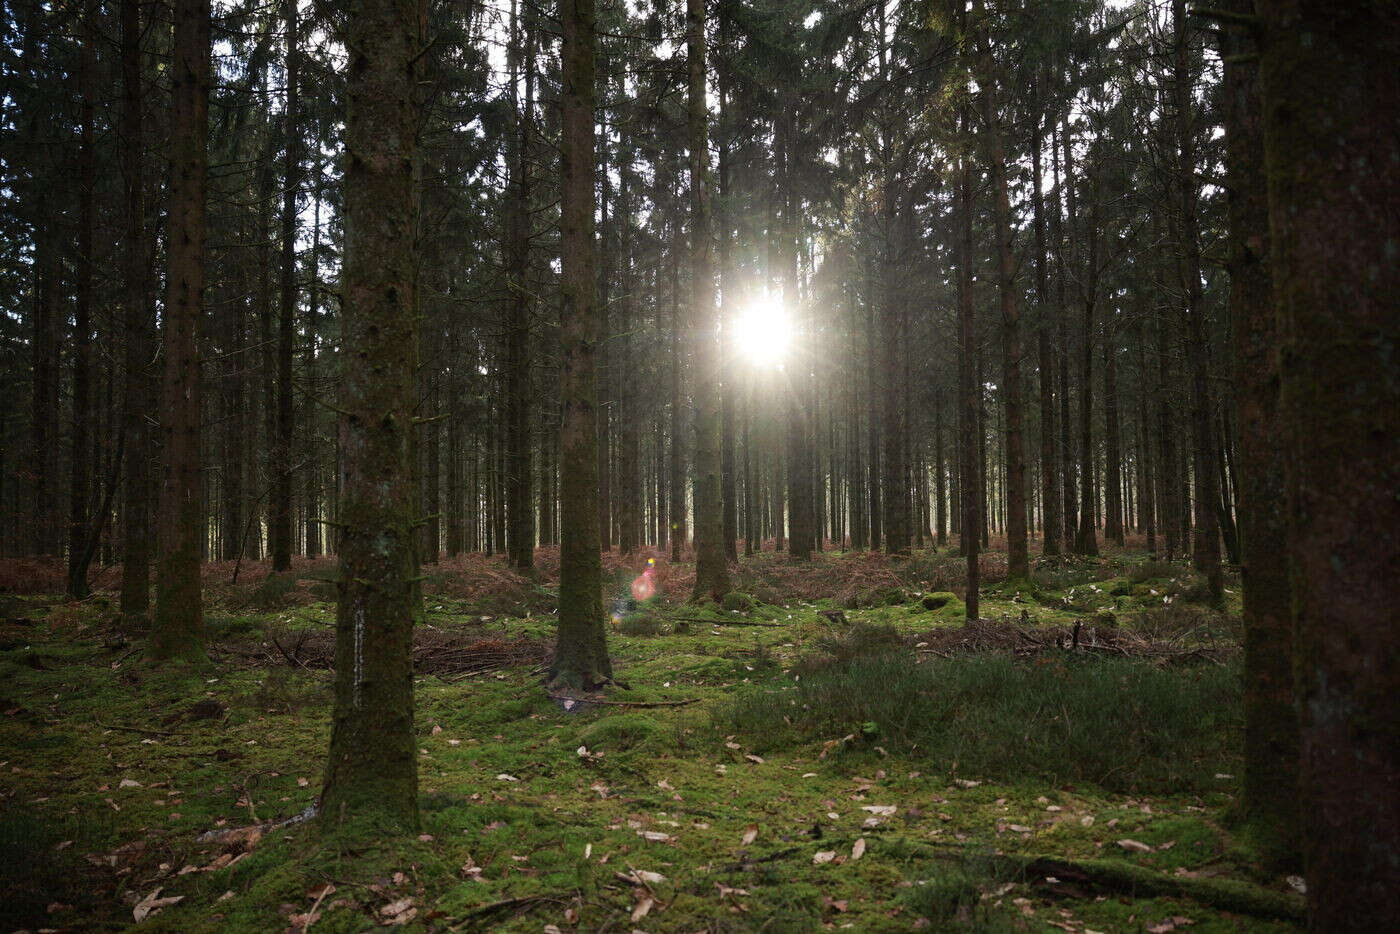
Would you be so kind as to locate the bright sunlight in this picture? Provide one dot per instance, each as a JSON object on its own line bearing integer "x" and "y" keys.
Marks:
{"x": 763, "y": 332}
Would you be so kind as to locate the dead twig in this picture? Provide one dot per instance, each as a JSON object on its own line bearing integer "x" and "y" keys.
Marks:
{"x": 618, "y": 703}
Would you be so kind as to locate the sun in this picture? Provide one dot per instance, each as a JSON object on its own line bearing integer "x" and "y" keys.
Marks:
{"x": 763, "y": 333}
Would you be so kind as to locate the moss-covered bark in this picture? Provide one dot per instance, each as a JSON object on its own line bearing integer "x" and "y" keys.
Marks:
{"x": 581, "y": 653}
{"x": 179, "y": 618}
{"x": 711, "y": 568}
{"x": 371, "y": 772}
{"x": 1271, "y": 720}
{"x": 1331, "y": 112}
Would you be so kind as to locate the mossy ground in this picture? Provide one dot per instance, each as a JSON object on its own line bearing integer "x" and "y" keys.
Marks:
{"x": 111, "y": 778}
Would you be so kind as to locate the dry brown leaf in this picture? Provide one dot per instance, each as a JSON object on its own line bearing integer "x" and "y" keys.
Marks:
{"x": 644, "y": 904}
{"x": 858, "y": 849}
{"x": 822, "y": 857}
{"x": 1135, "y": 846}
{"x": 750, "y": 834}
{"x": 153, "y": 903}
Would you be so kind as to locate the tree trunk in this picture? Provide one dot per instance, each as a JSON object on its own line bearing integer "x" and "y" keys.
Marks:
{"x": 1113, "y": 455}
{"x": 519, "y": 487}
{"x": 178, "y": 629}
{"x": 372, "y": 765}
{"x": 1331, "y": 100}
{"x": 1049, "y": 481}
{"x": 280, "y": 529}
{"x": 711, "y": 569}
{"x": 137, "y": 324}
{"x": 79, "y": 554}
{"x": 1205, "y": 551}
{"x": 1017, "y": 551}
{"x": 968, "y": 422}
{"x": 1069, "y": 507}
{"x": 581, "y": 654}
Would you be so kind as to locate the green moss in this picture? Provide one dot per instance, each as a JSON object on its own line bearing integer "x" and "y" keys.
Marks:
{"x": 621, "y": 732}
{"x": 737, "y": 601}
{"x": 684, "y": 772}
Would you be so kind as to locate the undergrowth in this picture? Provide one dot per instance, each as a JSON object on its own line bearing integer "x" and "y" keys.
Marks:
{"x": 1121, "y": 724}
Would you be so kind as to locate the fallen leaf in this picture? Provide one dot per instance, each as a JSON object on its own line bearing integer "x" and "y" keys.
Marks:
{"x": 503, "y": 777}
{"x": 750, "y": 834}
{"x": 857, "y": 851}
{"x": 643, "y": 906}
{"x": 1018, "y": 828}
{"x": 128, "y": 783}
{"x": 153, "y": 903}
{"x": 1135, "y": 846}
{"x": 753, "y": 758}
{"x": 302, "y": 782}
{"x": 883, "y": 810}
{"x": 823, "y": 856}
{"x": 641, "y": 877}
{"x": 656, "y": 836}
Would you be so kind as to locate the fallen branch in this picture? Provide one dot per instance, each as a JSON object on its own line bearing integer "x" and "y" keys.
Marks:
{"x": 722, "y": 622}
{"x": 138, "y": 729}
{"x": 621, "y": 703}
{"x": 505, "y": 904}
{"x": 1138, "y": 881}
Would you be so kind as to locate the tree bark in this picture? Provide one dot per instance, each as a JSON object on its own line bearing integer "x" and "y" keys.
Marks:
{"x": 581, "y": 653}
{"x": 179, "y": 618}
{"x": 137, "y": 324}
{"x": 1205, "y": 550}
{"x": 971, "y": 520}
{"x": 372, "y": 772}
{"x": 1331, "y": 116}
{"x": 81, "y": 451}
{"x": 1018, "y": 554}
{"x": 519, "y": 486}
{"x": 280, "y": 529}
{"x": 711, "y": 568}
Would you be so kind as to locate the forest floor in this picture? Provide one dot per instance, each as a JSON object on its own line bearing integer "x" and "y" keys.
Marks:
{"x": 836, "y": 751}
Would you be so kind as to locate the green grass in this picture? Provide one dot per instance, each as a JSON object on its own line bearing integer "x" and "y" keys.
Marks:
{"x": 1121, "y": 724}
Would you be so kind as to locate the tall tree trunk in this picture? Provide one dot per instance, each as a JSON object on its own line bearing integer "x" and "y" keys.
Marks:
{"x": 802, "y": 518}
{"x": 313, "y": 324}
{"x": 372, "y": 764}
{"x": 1113, "y": 455}
{"x": 79, "y": 554}
{"x": 711, "y": 569}
{"x": 630, "y": 511}
{"x": 967, "y": 385}
{"x": 873, "y": 426}
{"x": 280, "y": 528}
{"x": 1331, "y": 115}
{"x": 1018, "y": 555}
{"x": 676, "y": 478}
{"x": 581, "y": 654}
{"x": 179, "y": 618}
{"x": 1049, "y": 479}
{"x": 1069, "y": 502}
{"x": 137, "y": 319}
{"x": 519, "y": 486}
{"x": 728, "y": 372}
{"x": 1205, "y": 551}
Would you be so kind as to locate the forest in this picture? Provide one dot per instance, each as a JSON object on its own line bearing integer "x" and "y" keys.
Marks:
{"x": 700, "y": 465}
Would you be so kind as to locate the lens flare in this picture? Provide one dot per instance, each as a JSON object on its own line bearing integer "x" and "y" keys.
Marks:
{"x": 763, "y": 333}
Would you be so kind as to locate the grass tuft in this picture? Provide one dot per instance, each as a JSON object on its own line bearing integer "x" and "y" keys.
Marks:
{"x": 1121, "y": 724}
